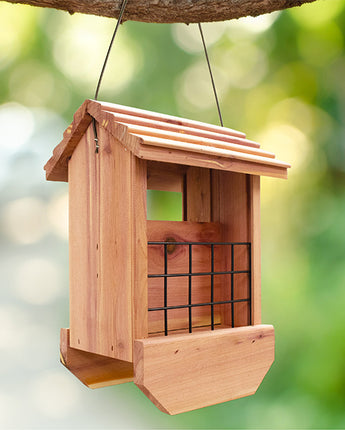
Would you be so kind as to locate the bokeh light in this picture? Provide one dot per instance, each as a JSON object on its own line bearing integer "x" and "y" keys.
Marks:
{"x": 37, "y": 281}
{"x": 54, "y": 394}
{"x": 89, "y": 34}
{"x": 58, "y": 215}
{"x": 24, "y": 220}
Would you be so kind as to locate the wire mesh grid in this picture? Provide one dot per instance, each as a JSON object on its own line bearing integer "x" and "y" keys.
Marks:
{"x": 212, "y": 273}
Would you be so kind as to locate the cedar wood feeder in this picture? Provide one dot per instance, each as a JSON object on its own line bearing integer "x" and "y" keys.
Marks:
{"x": 173, "y": 305}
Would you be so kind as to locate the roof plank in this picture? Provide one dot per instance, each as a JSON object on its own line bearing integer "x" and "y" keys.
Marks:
{"x": 112, "y": 107}
{"x": 164, "y": 138}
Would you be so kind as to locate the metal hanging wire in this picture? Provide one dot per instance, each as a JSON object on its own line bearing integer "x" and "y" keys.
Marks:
{"x": 211, "y": 75}
{"x": 119, "y": 20}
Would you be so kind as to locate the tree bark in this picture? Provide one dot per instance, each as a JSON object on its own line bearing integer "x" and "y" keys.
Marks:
{"x": 169, "y": 11}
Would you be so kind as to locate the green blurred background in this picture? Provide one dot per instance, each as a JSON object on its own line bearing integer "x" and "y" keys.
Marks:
{"x": 281, "y": 79}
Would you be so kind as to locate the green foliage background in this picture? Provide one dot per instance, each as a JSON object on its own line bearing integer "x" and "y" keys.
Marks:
{"x": 281, "y": 80}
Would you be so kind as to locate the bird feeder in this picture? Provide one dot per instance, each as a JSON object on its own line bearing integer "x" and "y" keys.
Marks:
{"x": 173, "y": 305}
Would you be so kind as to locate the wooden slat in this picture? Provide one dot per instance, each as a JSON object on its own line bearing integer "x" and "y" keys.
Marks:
{"x": 204, "y": 160}
{"x": 57, "y": 166}
{"x": 185, "y": 372}
{"x": 198, "y": 194}
{"x": 139, "y": 246}
{"x": 111, "y": 107}
{"x": 163, "y": 125}
{"x": 165, "y": 176}
{"x": 255, "y": 233}
{"x": 237, "y": 146}
{"x": 95, "y": 371}
{"x": 114, "y": 319}
{"x": 211, "y": 151}
{"x": 83, "y": 239}
{"x": 178, "y": 263}
{"x": 235, "y": 219}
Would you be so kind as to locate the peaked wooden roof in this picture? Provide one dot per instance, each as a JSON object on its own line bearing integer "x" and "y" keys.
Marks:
{"x": 154, "y": 136}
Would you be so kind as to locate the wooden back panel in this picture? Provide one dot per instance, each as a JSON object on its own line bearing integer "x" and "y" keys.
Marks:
{"x": 236, "y": 206}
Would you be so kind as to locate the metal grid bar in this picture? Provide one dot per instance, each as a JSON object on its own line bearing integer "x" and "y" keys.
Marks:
{"x": 232, "y": 286}
{"x": 194, "y": 305}
{"x": 190, "y": 289}
{"x": 199, "y": 243}
{"x": 250, "y": 286}
{"x": 176, "y": 275}
{"x": 165, "y": 290}
{"x": 212, "y": 287}
{"x": 212, "y": 273}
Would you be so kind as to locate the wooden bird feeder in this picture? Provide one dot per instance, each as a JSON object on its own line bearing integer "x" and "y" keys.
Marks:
{"x": 173, "y": 305}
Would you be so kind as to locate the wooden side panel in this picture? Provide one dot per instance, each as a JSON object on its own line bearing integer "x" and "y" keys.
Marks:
{"x": 114, "y": 316}
{"x": 101, "y": 247}
{"x": 95, "y": 371}
{"x": 185, "y": 372}
{"x": 231, "y": 207}
{"x": 255, "y": 234}
{"x": 178, "y": 262}
{"x": 139, "y": 256}
{"x": 198, "y": 194}
{"x": 83, "y": 239}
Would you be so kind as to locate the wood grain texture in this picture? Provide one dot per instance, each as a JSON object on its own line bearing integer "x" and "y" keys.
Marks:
{"x": 83, "y": 240}
{"x": 139, "y": 249}
{"x": 231, "y": 208}
{"x": 178, "y": 262}
{"x": 165, "y": 176}
{"x": 198, "y": 194}
{"x": 114, "y": 319}
{"x": 212, "y": 162}
{"x": 168, "y": 119}
{"x": 185, "y": 372}
{"x": 235, "y": 144}
{"x": 101, "y": 247}
{"x": 95, "y": 371}
{"x": 210, "y": 150}
{"x": 186, "y": 147}
{"x": 57, "y": 166}
{"x": 190, "y": 127}
{"x": 255, "y": 234}
{"x": 169, "y": 11}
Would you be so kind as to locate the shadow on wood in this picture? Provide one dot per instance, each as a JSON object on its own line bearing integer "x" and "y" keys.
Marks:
{"x": 93, "y": 370}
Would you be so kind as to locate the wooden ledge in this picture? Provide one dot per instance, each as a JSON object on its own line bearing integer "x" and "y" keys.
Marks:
{"x": 185, "y": 372}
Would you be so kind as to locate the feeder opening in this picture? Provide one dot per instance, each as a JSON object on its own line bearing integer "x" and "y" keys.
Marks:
{"x": 164, "y": 205}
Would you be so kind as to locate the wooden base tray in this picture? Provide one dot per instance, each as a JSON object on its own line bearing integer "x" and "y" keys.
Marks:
{"x": 179, "y": 373}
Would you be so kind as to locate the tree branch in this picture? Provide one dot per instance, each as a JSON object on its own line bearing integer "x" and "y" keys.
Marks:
{"x": 169, "y": 11}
